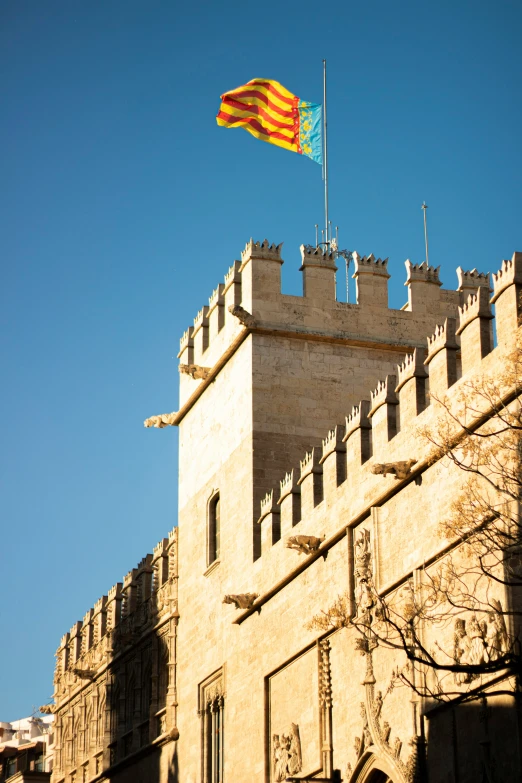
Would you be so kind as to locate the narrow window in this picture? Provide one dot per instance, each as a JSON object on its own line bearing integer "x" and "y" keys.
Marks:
{"x": 213, "y": 529}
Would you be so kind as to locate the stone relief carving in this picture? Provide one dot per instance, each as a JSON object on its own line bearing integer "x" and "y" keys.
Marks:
{"x": 400, "y": 470}
{"x": 241, "y": 600}
{"x": 286, "y": 754}
{"x": 47, "y": 709}
{"x": 195, "y": 371}
{"x": 304, "y": 544}
{"x": 242, "y": 315}
{"x": 365, "y": 595}
{"x": 477, "y": 642}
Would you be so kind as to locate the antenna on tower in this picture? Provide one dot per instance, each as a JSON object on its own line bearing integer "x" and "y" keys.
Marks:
{"x": 424, "y": 208}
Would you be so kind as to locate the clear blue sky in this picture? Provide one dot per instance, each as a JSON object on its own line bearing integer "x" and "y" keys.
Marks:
{"x": 123, "y": 204}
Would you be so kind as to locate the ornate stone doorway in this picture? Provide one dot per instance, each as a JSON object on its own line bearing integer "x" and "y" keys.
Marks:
{"x": 372, "y": 769}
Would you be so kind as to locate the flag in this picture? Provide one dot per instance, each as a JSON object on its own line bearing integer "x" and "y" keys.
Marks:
{"x": 271, "y": 113}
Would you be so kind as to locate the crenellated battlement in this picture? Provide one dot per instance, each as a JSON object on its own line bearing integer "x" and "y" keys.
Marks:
{"x": 264, "y": 250}
{"x": 357, "y": 419}
{"x": 472, "y": 279}
{"x": 443, "y": 337}
{"x": 411, "y": 367}
{"x": 476, "y": 306}
{"x": 254, "y": 284}
{"x": 510, "y": 273}
{"x": 422, "y": 273}
{"x": 383, "y": 393}
{"x": 288, "y": 484}
{"x": 369, "y": 265}
{"x": 134, "y": 600}
{"x": 371, "y": 431}
{"x": 317, "y": 256}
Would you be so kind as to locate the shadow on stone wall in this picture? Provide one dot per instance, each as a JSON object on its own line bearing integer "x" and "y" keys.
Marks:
{"x": 477, "y": 742}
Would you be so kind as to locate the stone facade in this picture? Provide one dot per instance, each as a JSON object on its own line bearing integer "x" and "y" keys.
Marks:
{"x": 302, "y": 478}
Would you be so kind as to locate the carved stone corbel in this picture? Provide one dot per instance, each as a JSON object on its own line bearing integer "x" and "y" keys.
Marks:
{"x": 241, "y": 600}
{"x": 304, "y": 544}
{"x": 242, "y": 315}
{"x": 400, "y": 470}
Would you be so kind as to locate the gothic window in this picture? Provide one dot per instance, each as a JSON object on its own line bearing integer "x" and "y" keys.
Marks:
{"x": 214, "y": 513}
{"x": 212, "y": 715}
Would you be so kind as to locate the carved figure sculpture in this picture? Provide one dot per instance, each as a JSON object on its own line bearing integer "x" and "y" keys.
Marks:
{"x": 286, "y": 754}
{"x": 304, "y": 544}
{"x": 242, "y": 600}
{"x": 195, "y": 371}
{"x": 47, "y": 709}
{"x": 478, "y": 642}
{"x": 242, "y": 315}
{"x": 400, "y": 470}
{"x": 496, "y": 632}
{"x": 364, "y": 592}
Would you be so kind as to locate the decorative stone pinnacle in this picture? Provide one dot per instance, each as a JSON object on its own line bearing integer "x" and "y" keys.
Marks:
{"x": 333, "y": 441}
{"x": 509, "y": 273}
{"x": 472, "y": 279}
{"x": 421, "y": 273}
{"x": 195, "y": 371}
{"x": 268, "y": 506}
{"x": 173, "y": 535}
{"x": 384, "y": 393}
{"x": 201, "y": 318}
{"x": 160, "y": 548}
{"x": 87, "y": 618}
{"x": 216, "y": 297}
{"x": 443, "y": 337}
{"x": 263, "y": 250}
{"x": 476, "y": 306}
{"x": 115, "y": 591}
{"x": 100, "y": 605}
{"x": 288, "y": 485}
{"x": 317, "y": 256}
{"x": 186, "y": 340}
{"x": 411, "y": 367}
{"x": 310, "y": 464}
{"x": 163, "y": 420}
{"x": 242, "y": 315}
{"x": 370, "y": 265}
{"x": 75, "y": 630}
{"x": 357, "y": 419}
{"x": 130, "y": 577}
{"x": 233, "y": 275}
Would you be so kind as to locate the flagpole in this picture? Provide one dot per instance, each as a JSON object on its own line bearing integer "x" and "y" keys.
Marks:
{"x": 424, "y": 208}
{"x": 325, "y": 158}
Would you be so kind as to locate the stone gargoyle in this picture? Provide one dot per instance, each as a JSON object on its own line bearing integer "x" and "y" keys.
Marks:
{"x": 195, "y": 371}
{"x": 400, "y": 470}
{"x": 241, "y": 601}
{"x": 242, "y": 315}
{"x": 304, "y": 544}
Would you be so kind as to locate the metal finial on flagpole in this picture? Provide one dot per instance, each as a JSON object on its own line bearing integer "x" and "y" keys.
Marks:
{"x": 325, "y": 155}
{"x": 424, "y": 208}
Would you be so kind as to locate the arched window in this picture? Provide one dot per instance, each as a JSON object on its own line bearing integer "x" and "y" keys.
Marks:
{"x": 213, "y": 526}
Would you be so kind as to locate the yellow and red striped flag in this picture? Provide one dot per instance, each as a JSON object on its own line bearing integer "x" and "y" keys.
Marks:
{"x": 271, "y": 113}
